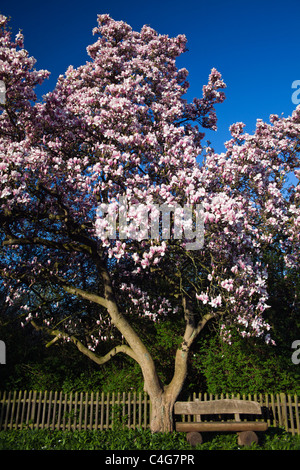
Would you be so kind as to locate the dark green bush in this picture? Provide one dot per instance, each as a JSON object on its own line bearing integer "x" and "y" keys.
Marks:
{"x": 244, "y": 366}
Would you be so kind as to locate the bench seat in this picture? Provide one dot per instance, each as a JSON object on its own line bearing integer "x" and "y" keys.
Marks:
{"x": 222, "y": 426}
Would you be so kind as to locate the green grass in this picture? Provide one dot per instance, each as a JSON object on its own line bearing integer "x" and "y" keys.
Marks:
{"x": 273, "y": 439}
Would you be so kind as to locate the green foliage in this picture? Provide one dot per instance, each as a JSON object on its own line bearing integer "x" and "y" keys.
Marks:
{"x": 110, "y": 378}
{"x": 52, "y": 374}
{"x": 281, "y": 441}
{"x": 244, "y": 366}
{"x": 125, "y": 439}
{"x": 116, "y": 439}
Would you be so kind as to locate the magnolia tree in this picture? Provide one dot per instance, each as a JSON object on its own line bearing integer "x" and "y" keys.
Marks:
{"x": 111, "y": 221}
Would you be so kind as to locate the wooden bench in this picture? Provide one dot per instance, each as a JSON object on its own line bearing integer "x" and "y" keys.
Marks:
{"x": 215, "y": 422}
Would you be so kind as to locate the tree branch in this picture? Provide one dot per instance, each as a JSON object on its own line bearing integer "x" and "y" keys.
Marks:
{"x": 97, "y": 299}
{"x": 123, "y": 348}
{"x": 65, "y": 246}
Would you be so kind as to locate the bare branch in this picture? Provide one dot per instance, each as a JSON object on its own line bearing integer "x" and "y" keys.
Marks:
{"x": 97, "y": 299}
{"x": 123, "y": 348}
{"x": 65, "y": 246}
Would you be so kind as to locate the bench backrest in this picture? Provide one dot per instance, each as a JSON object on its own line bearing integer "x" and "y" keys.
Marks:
{"x": 226, "y": 406}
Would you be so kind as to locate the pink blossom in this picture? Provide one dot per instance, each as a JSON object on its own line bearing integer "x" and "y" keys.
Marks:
{"x": 120, "y": 125}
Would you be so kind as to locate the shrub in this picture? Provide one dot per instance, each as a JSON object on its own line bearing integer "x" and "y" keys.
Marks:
{"x": 244, "y": 366}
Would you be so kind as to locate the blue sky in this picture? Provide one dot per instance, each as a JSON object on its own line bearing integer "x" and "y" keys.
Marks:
{"x": 254, "y": 44}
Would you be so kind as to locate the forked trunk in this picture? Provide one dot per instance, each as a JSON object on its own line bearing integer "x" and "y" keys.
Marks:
{"x": 163, "y": 398}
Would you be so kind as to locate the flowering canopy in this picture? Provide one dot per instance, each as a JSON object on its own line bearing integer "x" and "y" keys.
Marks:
{"x": 120, "y": 126}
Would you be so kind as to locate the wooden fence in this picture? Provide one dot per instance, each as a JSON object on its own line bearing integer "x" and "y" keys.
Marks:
{"x": 99, "y": 411}
{"x": 70, "y": 411}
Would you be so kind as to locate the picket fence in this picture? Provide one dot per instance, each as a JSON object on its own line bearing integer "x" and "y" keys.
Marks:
{"x": 99, "y": 411}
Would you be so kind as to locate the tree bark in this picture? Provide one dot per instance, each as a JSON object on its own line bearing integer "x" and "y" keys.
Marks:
{"x": 161, "y": 419}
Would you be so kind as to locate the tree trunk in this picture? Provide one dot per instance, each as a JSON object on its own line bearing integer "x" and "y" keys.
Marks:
{"x": 162, "y": 413}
